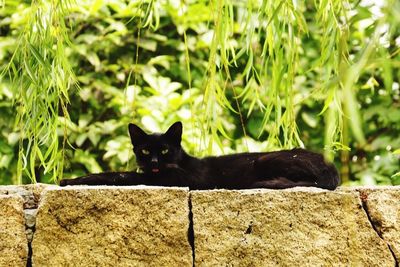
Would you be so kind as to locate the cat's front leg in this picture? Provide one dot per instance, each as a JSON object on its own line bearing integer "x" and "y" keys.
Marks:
{"x": 116, "y": 178}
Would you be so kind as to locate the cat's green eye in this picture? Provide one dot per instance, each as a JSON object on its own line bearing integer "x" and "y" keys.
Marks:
{"x": 165, "y": 151}
{"x": 145, "y": 152}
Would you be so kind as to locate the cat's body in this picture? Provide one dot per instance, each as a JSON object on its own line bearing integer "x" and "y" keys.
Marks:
{"x": 163, "y": 162}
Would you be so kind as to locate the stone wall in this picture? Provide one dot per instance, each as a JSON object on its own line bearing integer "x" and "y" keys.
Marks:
{"x": 157, "y": 226}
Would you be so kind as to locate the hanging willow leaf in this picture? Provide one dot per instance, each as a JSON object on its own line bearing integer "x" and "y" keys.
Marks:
{"x": 50, "y": 77}
{"x": 221, "y": 66}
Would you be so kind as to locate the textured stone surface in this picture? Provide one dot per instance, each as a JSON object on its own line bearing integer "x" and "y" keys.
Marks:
{"x": 383, "y": 206}
{"x": 112, "y": 226}
{"x": 13, "y": 243}
{"x": 295, "y": 227}
{"x": 30, "y": 193}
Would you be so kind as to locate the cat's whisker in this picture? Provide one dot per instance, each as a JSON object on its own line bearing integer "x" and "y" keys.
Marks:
{"x": 172, "y": 166}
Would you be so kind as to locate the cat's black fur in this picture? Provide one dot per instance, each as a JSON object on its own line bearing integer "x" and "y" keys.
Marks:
{"x": 163, "y": 162}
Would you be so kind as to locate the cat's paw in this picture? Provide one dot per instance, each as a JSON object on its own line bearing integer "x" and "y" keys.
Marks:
{"x": 65, "y": 182}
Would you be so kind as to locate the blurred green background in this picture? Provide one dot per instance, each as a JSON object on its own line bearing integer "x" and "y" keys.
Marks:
{"x": 240, "y": 75}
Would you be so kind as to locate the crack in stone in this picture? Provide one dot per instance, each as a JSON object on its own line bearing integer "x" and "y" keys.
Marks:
{"x": 191, "y": 229}
{"x": 364, "y": 198}
{"x": 29, "y": 260}
{"x": 30, "y": 227}
{"x": 31, "y": 201}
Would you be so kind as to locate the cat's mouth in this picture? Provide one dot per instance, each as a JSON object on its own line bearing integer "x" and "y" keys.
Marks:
{"x": 158, "y": 169}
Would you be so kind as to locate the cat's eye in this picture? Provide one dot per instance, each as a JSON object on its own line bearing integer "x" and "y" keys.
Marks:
{"x": 164, "y": 151}
{"x": 145, "y": 152}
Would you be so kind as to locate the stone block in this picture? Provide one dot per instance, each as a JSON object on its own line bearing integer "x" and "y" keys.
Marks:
{"x": 13, "y": 242}
{"x": 293, "y": 227}
{"x": 112, "y": 226}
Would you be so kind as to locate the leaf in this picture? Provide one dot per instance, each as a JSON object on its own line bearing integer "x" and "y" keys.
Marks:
{"x": 93, "y": 59}
{"x": 81, "y": 139}
{"x": 309, "y": 119}
{"x": 95, "y": 7}
{"x": 5, "y": 160}
{"x": 38, "y": 56}
{"x": 88, "y": 161}
{"x": 147, "y": 44}
{"x": 396, "y": 175}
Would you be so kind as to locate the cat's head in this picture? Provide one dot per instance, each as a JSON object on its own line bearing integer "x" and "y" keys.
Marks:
{"x": 159, "y": 151}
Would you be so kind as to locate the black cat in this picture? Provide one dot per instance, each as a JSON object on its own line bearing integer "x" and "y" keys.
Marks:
{"x": 163, "y": 162}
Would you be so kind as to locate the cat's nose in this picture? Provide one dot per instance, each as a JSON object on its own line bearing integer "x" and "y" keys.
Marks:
{"x": 154, "y": 163}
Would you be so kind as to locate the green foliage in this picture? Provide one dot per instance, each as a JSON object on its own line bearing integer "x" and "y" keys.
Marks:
{"x": 241, "y": 75}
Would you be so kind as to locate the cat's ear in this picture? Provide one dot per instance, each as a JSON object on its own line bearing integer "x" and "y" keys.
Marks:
{"x": 174, "y": 133}
{"x": 136, "y": 133}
